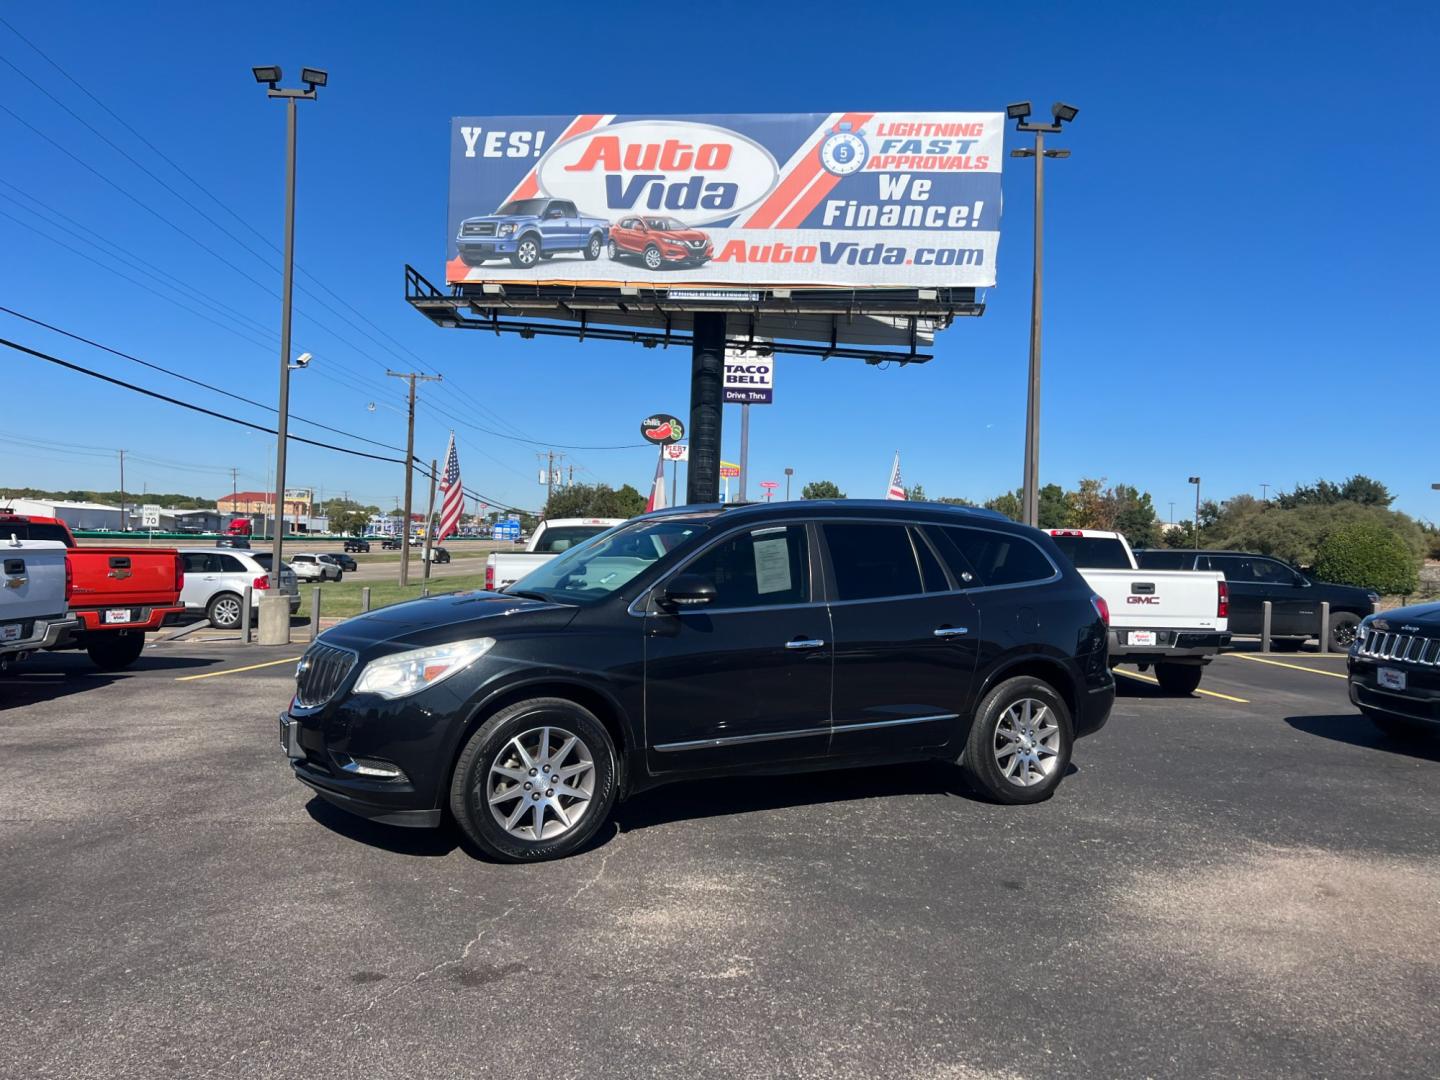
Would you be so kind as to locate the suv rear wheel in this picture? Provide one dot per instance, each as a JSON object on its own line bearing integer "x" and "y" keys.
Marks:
{"x": 612, "y": 251}
{"x": 535, "y": 781}
{"x": 1342, "y": 630}
{"x": 223, "y": 611}
{"x": 1019, "y": 745}
{"x": 113, "y": 651}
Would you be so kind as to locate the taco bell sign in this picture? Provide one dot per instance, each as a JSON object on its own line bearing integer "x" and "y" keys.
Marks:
{"x": 749, "y": 377}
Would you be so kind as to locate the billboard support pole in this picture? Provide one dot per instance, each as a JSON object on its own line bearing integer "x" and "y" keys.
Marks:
{"x": 1032, "y": 409}
{"x": 707, "y": 392}
{"x": 744, "y": 449}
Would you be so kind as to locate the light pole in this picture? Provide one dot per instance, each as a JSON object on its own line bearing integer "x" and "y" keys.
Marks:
{"x": 1062, "y": 114}
{"x": 789, "y": 472}
{"x": 1195, "y": 533}
{"x": 274, "y": 605}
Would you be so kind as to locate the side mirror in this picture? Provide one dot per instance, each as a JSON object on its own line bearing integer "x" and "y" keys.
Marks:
{"x": 687, "y": 591}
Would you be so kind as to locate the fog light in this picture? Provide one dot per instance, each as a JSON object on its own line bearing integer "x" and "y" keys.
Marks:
{"x": 371, "y": 767}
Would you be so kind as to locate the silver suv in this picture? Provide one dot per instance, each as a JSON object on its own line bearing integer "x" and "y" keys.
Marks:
{"x": 215, "y": 581}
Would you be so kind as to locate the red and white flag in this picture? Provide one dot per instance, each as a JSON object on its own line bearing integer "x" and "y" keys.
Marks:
{"x": 454, "y": 504}
{"x": 657, "y": 490}
{"x": 897, "y": 489}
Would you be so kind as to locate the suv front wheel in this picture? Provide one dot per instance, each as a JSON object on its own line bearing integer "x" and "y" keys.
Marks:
{"x": 1019, "y": 745}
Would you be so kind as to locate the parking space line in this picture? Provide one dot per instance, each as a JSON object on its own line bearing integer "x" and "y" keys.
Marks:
{"x": 236, "y": 670}
{"x": 1207, "y": 693}
{"x": 1282, "y": 663}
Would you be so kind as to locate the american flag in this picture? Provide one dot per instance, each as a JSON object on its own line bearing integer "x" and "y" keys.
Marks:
{"x": 897, "y": 489}
{"x": 454, "y": 504}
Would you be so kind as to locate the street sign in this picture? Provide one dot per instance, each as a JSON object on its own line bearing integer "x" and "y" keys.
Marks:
{"x": 769, "y": 484}
{"x": 662, "y": 429}
{"x": 676, "y": 452}
{"x": 749, "y": 376}
{"x": 150, "y": 516}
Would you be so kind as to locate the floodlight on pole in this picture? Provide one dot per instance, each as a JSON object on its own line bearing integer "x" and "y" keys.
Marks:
{"x": 1196, "y": 531}
{"x": 275, "y": 626}
{"x": 1019, "y": 112}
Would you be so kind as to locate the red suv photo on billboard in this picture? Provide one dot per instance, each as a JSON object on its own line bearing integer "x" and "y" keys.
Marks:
{"x": 846, "y": 199}
{"x": 659, "y": 242}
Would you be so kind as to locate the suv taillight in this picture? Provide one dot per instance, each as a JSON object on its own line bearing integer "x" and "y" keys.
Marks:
{"x": 1101, "y": 608}
{"x": 489, "y": 579}
{"x": 1222, "y": 603}
{"x": 261, "y": 582}
{"x": 179, "y": 573}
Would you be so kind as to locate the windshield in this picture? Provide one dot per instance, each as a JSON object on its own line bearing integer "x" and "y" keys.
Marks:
{"x": 1093, "y": 552}
{"x": 589, "y": 573}
{"x": 522, "y": 208}
{"x": 554, "y": 541}
{"x": 664, "y": 224}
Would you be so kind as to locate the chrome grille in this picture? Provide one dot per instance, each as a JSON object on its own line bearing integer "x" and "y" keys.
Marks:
{"x": 478, "y": 228}
{"x": 1398, "y": 647}
{"x": 322, "y": 669}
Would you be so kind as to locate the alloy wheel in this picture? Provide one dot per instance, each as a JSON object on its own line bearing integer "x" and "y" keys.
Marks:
{"x": 1027, "y": 743}
{"x": 226, "y": 612}
{"x": 653, "y": 258}
{"x": 540, "y": 783}
{"x": 528, "y": 252}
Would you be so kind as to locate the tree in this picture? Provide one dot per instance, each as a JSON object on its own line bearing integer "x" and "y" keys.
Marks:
{"x": 916, "y": 493}
{"x": 594, "y": 500}
{"x": 1357, "y": 489}
{"x": 353, "y": 522}
{"x": 821, "y": 489}
{"x": 1054, "y": 506}
{"x": 1008, "y": 504}
{"x": 1368, "y": 555}
{"x": 1135, "y": 516}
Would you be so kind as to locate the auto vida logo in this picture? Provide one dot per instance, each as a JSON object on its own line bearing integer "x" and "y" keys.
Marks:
{"x": 698, "y": 172}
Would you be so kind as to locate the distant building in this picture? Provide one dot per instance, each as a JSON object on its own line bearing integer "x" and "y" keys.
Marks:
{"x": 263, "y": 502}
{"x": 77, "y": 515}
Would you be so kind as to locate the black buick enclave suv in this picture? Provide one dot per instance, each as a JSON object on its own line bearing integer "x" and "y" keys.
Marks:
{"x": 706, "y": 640}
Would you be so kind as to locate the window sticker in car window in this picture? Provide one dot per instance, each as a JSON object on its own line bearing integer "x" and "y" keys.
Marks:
{"x": 772, "y": 564}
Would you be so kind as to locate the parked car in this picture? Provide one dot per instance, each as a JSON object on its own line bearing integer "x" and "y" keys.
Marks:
{"x": 34, "y": 597}
{"x": 439, "y": 555}
{"x": 391, "y": 543}
{"x": 356, "y": 544}
{"x": 1394, "y": 670}
{"x": 309, "y": 566}
{"x": 701, "y": 640}
{"x": 550, "y": 539}
{"x": 118, "y": 594}
{"x": 233, "y": 542}
{"x": 659, "y": 241}
{"x": 345, "y": 562}
{"x": 1295, "y": 597}
{"x": 1175, "y": 620}
{"x": 215, "y": 584}
{"x": 528, "y": 230}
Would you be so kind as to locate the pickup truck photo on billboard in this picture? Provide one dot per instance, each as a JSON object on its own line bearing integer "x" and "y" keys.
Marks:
{"x": 882, "y": 199}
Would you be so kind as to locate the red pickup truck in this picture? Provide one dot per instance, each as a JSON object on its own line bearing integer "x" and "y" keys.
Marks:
{"x": 117, "y": 593}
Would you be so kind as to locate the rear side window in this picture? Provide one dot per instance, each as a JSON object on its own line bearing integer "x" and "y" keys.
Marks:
{"x": 870, "y": 561}
{"x": 34, "y": 530}
{"x": 759, "y": 568}
{"x": 1166, "y": 560}
{"x": 1095, "y": 552}
{"x": 229, "y": 564}
{"x": 996, "y": 558}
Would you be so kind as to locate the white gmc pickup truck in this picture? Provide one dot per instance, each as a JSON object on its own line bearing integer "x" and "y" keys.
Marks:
{"x": 551, "y": 538}
{"x": 1176, "y": 620}
{"x": 34, "y": 597}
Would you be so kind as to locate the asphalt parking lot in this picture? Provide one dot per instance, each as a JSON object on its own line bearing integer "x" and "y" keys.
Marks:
{"x": 1236, "y": 885}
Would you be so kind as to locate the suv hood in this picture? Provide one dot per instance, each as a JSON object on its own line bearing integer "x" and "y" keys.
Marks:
{"x": 438, "y": 619}
{"x": 693, "y": 235}
{"x": 1424, "y": 617}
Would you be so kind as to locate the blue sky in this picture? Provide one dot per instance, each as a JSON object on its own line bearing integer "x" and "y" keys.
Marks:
{"x": 1240, "y": 254}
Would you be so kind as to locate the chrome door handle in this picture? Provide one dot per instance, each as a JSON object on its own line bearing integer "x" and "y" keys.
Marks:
{"x": 951, "y": 631}
{"x": 805, "y": 643}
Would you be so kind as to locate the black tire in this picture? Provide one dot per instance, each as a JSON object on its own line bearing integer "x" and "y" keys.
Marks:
{"x": 978, "y": 762}
{"x": 1287, "y": 644}
{"x": 592, "y": 248}
{"x": 339, "y": 577}
{"x": 653, "y": 259}
{"x": 612, "y": 251}
{"x": 1398, "y": 728}
{"x": 223, "y": 611}
{"x": 115, "y": 650}
{"x": 527, "y": 252}
{"x": 1178, "y": 678}
{"x": 1342, "y": 630}
{"x": 468, "y": 800}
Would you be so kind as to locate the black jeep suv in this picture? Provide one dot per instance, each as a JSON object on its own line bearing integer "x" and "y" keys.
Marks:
{"x": 703, "y": 640}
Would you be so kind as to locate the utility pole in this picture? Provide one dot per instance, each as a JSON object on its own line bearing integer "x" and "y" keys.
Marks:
{"x": 549, "y": 458}
{"x": 124, "y": 517}
{"x": 572, "y": 477}
{"x": 744, "y": 450}
{"x": 429, "y": 520}
{"x": 412, "y": 377}
{"x": 1265, "y": 493}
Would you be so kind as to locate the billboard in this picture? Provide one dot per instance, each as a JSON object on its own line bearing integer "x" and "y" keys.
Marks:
{"x": 878, "y": 199}
{"x": 749, "y": 376}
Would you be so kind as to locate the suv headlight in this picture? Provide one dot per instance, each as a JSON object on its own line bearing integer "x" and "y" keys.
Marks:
{"x": 505, "y": 230}
{"x": 404, "y": 673}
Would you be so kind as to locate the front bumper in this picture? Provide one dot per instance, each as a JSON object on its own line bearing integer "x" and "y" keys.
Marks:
{"x": 1420, "y": 700}
{"x": 487, "y": 248}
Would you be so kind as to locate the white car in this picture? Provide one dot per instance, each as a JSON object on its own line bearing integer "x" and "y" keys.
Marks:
{"x": 215, "y": 581}
{"x": 312, "y": 567}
